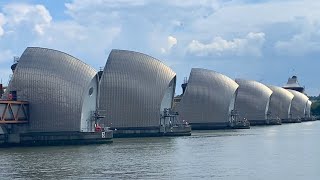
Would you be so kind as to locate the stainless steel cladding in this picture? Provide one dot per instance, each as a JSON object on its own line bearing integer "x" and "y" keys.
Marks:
{"x": 298, "y": 106}
{"x": 252, "y": 101}
{"x": 308, "y": 109}
{"x": 134, "y": 89}
{"x": 209, "y": 97}
{"x": 280, "y": 103}
{"x": 54, "y": 84}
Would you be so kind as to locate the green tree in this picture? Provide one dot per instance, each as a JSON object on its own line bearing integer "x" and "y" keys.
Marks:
{"x": 315, "y": 108}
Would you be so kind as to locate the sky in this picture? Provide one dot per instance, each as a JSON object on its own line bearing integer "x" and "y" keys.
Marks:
{"x": 263, "y": 40}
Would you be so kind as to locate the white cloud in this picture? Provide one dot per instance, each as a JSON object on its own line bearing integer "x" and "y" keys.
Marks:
{"x": 88, "y": 41}
{"x": 171, "y": 42}
{"x": 6, "y": 56}
{"x": 249, "y": 46}
{"x": 6, "y": 59}
{"x": 32, "y": 25}
{"x": 5, "y": 75}
{"x": 78, "y": 5}
{"x": 307, "y": 41}
{"x": 140, "y": 19}
{"x": 2, "y": 22}
{"x": 37, "y": 16}
{"x": 237, "y": 17}
{"x": 192, "y": 3}
{"x": 118, "y": 11}
{"x": 88, "y": 11}
{"x": 88, "y": 29}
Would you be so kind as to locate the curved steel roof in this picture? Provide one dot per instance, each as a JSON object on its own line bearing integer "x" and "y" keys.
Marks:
{"x": 133, "y": 86}
{"x": 280, "y": 102}
{"x": 253, "y": 99}
{"x": 54, "y": 83}
{"x": 208, "y": 98}
{"x": 308, "y": 109}
{"x": 298, "y": 105}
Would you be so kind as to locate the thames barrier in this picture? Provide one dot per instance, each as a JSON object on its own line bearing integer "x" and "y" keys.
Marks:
{"x": 54, "y": 98}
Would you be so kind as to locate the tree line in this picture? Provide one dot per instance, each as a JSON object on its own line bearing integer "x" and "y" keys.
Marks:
{"x": 315, "y": 107}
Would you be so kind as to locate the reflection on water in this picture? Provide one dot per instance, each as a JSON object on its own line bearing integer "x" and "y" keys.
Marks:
{"x": 289, "y": 151}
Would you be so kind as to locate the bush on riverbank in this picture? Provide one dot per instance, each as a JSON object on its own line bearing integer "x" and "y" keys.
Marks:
{"x": 315, "y": 108}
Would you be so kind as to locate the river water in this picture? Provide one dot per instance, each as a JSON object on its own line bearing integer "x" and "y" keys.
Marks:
{"x": 289, "y": 151}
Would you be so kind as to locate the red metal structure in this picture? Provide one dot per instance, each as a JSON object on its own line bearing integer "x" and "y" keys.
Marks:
{"x": 13, "y": 112}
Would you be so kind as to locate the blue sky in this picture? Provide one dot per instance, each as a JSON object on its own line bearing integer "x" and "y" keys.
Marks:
{"x": 263, "y": 40}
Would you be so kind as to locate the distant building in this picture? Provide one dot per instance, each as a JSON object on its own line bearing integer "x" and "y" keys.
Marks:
{"x": 280, "y": 104}
{"x": 253, "y": 101}
{"x": 293, "y": 84}
{"x": 208, "y": 100}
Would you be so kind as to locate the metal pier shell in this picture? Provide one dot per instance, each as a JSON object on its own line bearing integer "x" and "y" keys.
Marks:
{"x": 208, "y": 98}
{"x": 299, "y": 104}
{"x": 308, "y": 109}
{"x": 280, "y": 102}
{"x": 253, "y": 99}
{"x": 54, "y": 84}
{"x": 132, "y": 88}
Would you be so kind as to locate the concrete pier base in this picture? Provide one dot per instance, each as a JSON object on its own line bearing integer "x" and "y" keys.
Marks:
{"x": 210, "y": 126}
{"x": 180, "y": 130}
{"x": 243, "y": 124}
{"x": 265, "y": 122}
{"x": 308, "y": 119}
{"x": 273, "y": 122}
{"x": 219, "y": 125}
{"x": 55, "y": 138}
{"x": 291, "y": 120}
